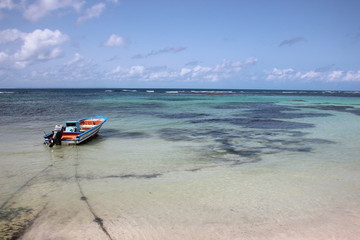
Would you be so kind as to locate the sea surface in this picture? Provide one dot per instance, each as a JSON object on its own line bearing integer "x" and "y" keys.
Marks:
{"x": 181, "y": 164}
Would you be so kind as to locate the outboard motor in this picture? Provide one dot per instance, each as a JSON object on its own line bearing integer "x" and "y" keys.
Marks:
{"x": 56, "y": 136}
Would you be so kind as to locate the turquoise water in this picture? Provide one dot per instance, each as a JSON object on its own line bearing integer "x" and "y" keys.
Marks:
{"x": 182, "y": 164}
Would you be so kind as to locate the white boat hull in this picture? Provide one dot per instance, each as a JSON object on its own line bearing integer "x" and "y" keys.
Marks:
{"x": 82, "y": 137}
{"x": 75, "y": 132}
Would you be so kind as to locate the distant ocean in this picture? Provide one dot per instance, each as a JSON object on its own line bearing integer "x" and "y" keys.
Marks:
{"x": 182, "y": 164}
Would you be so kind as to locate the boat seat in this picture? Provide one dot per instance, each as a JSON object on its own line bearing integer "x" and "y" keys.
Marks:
{"x": 69, "y": 135}
{"x": 87, "y": 126}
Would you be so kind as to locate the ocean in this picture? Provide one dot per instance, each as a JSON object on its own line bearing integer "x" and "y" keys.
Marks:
{"x": 182, "y": 164}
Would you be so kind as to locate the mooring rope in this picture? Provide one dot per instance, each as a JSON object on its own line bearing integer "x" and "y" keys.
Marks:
{"x": 20, "y": 228}
{"x": 97, "y": 219}
{"x": 29, "y": 224}
{"x": 25, "y": 185}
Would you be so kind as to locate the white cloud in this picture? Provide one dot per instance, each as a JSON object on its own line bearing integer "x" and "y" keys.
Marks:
{"x": 352, "y": 76}
{"x": 311, "y": 75}
{"x": 185, "y": 71}
{"x": 115, "y": 40}
{"x": 136, "y": 71}
{"x": 11, "y": 35}
{"x": 221, "y": 71}
{"x": 160, "y": 51}
{"x": 42, "y": 8}
{"x": 280, "y": 74}
{"x": 93, "y": 12}
{"x": 72, "y": 73}
{"x": 161, "y": 75}
{"x": 117, "y": 70}
{"x": 3, "y": 57}
{"x": 39, "y": 45}
{"x": 334, "y": 75}
{"x": 290, "y": 74}
{"x": 78, "y": 69}
{"x": 292, "y": 41}
{"x": 227, "y": 66}
{"x": 77, "y": 60}
{"x": 7, "y": 4}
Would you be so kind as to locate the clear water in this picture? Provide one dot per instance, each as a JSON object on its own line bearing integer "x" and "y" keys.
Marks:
{"x": 182, "y": 164}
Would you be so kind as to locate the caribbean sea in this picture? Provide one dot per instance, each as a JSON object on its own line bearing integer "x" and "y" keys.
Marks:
{"x": 182, "y": 164}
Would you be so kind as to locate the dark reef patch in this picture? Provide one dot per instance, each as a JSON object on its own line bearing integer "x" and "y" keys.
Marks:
{"x": 236, "y": 146}
{"x": 259, "y": 123}
{"x": 227, "y": 147}
{"x": 194, "y": 169}
{"x": 268, "y": 110}
{"x": 9, "y": 214}
{"x": 338, "y": 108}
{"x": 181, "y": 115}
{"x": 175, "y": 134}
{"x": 355, "y": 111}
{"x": 149, "y": 105}
{"x": 253, "y": 160}
{"x": 142, "y": 176}
{"x": 279, "y": 114}
{"x": 175, "y": 98}
{"x": 15, "y": 221}
{"x": 117, "y": 133}
{"x": 244, "y": 105}
{"x": 130, "y": 108}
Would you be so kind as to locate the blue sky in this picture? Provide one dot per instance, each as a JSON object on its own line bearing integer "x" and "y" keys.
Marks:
{"x": 243, "y": 44}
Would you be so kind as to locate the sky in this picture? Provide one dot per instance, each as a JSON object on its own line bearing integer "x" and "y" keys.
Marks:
{"x": 227, "y": 44}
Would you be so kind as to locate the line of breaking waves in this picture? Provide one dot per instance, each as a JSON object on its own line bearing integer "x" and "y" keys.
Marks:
{"x": 174, "y": 91}
{"x": 237, "y": 92}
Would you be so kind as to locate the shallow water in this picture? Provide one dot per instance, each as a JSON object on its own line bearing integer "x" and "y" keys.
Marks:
{"x": 179, "y": 164}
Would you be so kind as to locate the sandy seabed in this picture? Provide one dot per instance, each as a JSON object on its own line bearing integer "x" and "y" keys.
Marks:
{"x": 256, "y": 202}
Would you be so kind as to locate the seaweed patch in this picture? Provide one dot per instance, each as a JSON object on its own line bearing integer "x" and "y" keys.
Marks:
{"x": 229, "y": 148}
{"x": 116, "y": 133}
{"x": 14, "y": 221}
{"x": 175, "y": 134}
{"x": 260, "y": 123}
{"x": 176, "y": 98}
{"x": 338, "y": 108}
{"x": 235, "y": 146}
{"x": 268, "y": 110}
{"x": 182, "y": 115}
{"x": 279, "y": 114}
{"x": 24, "y": 186}
{"x": 12, "y": 213}
{"x": 143, "y": 176}
{"x": 244, "y": 105}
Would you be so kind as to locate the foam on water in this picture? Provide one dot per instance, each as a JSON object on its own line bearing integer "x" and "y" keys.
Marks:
{"x": 221, "y": 165}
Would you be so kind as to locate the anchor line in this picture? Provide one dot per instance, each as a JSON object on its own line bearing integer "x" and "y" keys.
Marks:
{"x": 97, "y": 219}
{"x": 28, "y": 225}
{"x": 25, "y": 185}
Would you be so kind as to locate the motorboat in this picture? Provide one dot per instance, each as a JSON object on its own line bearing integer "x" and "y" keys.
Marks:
{"x": 74, "y": 132}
